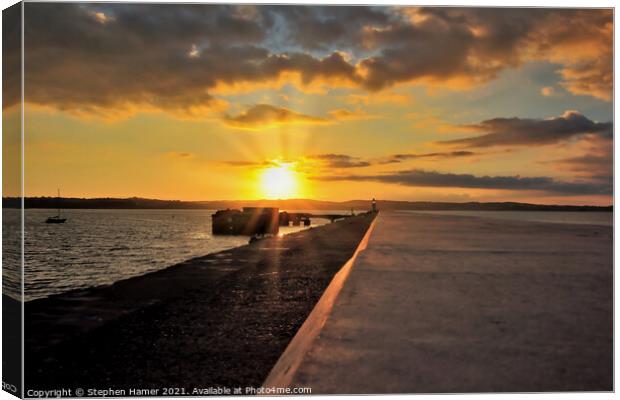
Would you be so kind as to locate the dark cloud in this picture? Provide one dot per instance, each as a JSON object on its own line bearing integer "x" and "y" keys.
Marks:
{"x": 180, "y": 154}
{"x": 111, "y": 57}
{"x": 262, "y": 115}
{"x": 397, "y": 158}
{"x": 477, "y": 43}
{"x": 100, "y": 57}
{"x": 532, "y": 132}
{"x": 595, "y": 161}
{"x": 340, "y": 161}
{"x": 336, "y": 160}
{"x": 423, "y": 178}
{"x": 589, "y": 164}
{"x": 11, "y": 54}
{"x": 474, "y": 44}
{"x": 410, "y": 52}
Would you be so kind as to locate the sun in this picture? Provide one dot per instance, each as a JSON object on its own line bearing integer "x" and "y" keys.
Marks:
{"x": 279, "y": 182}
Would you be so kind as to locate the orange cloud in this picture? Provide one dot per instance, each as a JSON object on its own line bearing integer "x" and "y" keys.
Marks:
{"x": 266, "y": 116}
{"x": 582, "y": 42}
{"x": 343, "y": 114}
{"x": 547, "y": 91}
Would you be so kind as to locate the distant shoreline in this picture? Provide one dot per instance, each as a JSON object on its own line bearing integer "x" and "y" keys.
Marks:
{"x": 291, "y": 204}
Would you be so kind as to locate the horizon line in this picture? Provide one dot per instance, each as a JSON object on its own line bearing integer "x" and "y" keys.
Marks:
{"x": 306, "y": 199}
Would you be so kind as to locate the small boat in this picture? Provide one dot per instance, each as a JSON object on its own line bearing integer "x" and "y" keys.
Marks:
{"x": 56, "y": 219}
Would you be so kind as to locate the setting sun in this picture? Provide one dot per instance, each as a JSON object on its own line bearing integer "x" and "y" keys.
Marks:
{"x": 279, "y": 182}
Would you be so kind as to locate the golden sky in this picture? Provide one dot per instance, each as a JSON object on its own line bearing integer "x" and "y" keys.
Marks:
{"x": 206, "y": 102}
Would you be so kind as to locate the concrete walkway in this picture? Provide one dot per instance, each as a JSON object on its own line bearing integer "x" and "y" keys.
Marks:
{"x": 460, "y": 304}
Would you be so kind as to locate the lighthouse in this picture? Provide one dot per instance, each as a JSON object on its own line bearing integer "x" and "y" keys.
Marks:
{"x": 374, "y": 205}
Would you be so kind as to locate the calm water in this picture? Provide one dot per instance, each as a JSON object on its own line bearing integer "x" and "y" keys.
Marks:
{"x": 558, "y": 217}
{"x": 99, "y": 247}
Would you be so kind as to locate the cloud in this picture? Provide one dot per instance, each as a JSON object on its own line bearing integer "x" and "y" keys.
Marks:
{"x": 397, "y": 158}
{"x": 114, "y": 58}
{"x": 337, "y": 160}
{"x": 343, "y": 114}
{"x": 154, "y": 57}
{"x": 547, "y": 91}
{"x": 257, "y": 164}
{"x": 590, "y": 164}
{"x": 593, "y": 78}
{"x": 180, "y": 154}
{"x": 340, "y": 161}
{"x": 582, "y": 43}
{"x": 11, "y": 55}
{"x": 265, "y": 115}
{"x": 466, "y": 46}
{"x": 592, "y": 158}
{"x": 421, "y": 178}
{"x": 531, "y": 132}
{"x": 100, "y": 17}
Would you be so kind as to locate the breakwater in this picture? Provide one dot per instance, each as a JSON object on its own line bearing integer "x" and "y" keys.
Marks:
{"x": 455, "y": 304}
{"x": 221, "y": 320}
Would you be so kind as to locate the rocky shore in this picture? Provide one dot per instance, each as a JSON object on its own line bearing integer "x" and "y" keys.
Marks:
{"x": 218, "y": 321}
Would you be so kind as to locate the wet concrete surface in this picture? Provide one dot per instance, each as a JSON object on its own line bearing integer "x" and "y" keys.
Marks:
{"x": 216, "y": 321}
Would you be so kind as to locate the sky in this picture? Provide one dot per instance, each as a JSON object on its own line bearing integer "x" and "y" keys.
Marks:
{"x": 212, "y": 102}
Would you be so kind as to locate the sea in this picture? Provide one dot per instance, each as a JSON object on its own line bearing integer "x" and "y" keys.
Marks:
{"x": 100, "y": 247}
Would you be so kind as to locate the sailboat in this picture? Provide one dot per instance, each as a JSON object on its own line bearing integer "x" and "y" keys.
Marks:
{"x": 57, "y": 219}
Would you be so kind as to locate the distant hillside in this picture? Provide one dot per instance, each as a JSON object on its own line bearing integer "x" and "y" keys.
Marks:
{"x": 292, "y": 204}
